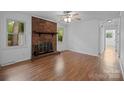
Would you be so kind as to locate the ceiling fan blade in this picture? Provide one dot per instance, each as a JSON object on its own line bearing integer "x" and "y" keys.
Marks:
{"x": 76, "y": 14}
{"x": 76, "y": 18}
{"x": 73, "y": 15}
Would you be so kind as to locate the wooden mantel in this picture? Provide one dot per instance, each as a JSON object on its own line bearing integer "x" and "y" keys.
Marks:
{"x": 40, "y": 32}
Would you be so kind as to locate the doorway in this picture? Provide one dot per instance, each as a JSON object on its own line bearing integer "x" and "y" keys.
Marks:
{"x": 110, "y": 38}
{"x": 110, "y": 45}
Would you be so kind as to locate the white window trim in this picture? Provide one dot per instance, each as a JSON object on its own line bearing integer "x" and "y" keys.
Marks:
{"x": 19, "y": 46}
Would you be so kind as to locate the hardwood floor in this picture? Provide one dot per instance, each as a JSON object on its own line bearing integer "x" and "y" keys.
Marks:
{"x": 65, "y": 66}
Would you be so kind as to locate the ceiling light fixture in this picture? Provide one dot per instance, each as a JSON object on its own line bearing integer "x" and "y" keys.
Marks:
{"x": 69, "y": 16}
{"x": 109, "y": 21}
{"x": 67, "y": 19}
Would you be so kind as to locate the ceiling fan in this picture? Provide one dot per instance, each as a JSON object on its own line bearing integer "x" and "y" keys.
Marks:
{"x": 69, "y": 16}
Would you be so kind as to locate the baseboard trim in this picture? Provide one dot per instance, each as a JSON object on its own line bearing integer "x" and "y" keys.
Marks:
{"x": 8, "y": 64}
{"x": 64, "y": 51}
{"x": 121, "y": 66}
{"x": 90, "y": 54}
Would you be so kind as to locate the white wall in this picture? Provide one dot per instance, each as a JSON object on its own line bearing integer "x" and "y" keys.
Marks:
{"x": 14, "y": 54}
{"x": 83, "y": 37}
{"x": 122, "y": 38}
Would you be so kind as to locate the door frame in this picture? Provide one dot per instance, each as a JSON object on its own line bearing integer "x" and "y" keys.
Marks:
{"x": 105, "y": 37}
{"x": 119, "y": 41}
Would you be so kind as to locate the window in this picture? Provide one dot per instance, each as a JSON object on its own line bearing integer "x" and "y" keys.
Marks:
{"x": 60, "y": 34}
{"x": 15, "y": 33}
{"x": 109, "y": 35}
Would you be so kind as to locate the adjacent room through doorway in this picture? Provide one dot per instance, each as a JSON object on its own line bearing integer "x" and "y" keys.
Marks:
{"x": 110, "y": 39}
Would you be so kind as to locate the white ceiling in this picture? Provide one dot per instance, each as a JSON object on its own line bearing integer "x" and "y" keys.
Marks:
{"x": 85, "y": 15}
{"x": 100, "y": 15}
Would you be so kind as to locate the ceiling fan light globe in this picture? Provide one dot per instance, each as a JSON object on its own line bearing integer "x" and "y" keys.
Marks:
{"x": 65, "y": 19}
{"x": 69, "y": 20}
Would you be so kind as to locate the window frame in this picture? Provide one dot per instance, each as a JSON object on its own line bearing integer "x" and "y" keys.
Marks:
{"x": 58, "y": 32}
{"x": 7, "y": 33}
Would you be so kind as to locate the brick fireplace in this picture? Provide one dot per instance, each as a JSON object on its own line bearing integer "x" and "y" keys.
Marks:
{"x": 44, "y": 37}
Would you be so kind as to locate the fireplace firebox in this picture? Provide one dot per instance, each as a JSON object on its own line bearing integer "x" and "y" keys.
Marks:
{"x": 41, "y": 48}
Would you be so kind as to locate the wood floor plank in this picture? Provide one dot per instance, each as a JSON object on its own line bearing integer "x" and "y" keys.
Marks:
{"x": 66, "y": 66}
